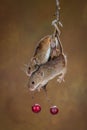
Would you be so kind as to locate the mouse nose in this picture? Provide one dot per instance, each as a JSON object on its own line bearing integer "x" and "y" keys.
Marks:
{"x": 31, "y": 88}
{"x": 28, "y": 73}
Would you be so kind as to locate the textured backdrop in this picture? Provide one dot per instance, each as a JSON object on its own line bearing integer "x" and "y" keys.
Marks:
{"x": 22, "y": 24}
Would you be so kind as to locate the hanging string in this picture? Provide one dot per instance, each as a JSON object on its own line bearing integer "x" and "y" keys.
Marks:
{"x": 56, "y": 22}
{"x": 57, "y": 10}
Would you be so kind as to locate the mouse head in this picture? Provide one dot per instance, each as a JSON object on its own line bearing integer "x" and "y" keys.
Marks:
{"x": 32, "y": 67}
{"x": 35, "y": 80}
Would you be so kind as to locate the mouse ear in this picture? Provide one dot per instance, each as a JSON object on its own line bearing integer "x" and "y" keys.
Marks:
{"x": 37, "y": 66}
{"x": 34, "y": 60}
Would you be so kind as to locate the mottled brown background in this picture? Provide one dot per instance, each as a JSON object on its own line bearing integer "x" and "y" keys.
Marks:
{"x": 22, "y": 24}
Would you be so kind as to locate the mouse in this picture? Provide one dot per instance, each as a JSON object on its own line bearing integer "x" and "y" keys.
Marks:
{"x": 46, "y": 72}
{"x": 45, "y": 50}
{"x": 56, "y": 66}
{"x": 40, "y": 56}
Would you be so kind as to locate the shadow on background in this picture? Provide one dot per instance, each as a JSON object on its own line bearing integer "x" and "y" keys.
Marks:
{"x": 22, "y": 24}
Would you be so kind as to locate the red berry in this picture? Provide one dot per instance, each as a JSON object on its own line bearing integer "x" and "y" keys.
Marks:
{"x": 36, "y": 108}
{"x": 54, "y": 110}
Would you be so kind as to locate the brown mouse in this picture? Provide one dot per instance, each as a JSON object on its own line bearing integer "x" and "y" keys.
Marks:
{"x": 45, "y": 50}
{"x": 48, "y": 71}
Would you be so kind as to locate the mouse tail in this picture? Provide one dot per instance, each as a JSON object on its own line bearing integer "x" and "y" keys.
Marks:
{"x": 59, "y": 41}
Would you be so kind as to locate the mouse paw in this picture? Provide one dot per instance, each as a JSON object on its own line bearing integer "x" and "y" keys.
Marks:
{"x": 61, "y": 78}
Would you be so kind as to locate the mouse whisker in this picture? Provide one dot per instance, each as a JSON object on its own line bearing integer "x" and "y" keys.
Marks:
{"x": 24, "y": 69}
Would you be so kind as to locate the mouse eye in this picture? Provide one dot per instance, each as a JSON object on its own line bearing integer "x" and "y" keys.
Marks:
{"x": 33, "y": 82}
{"x": 29, "y": 68}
